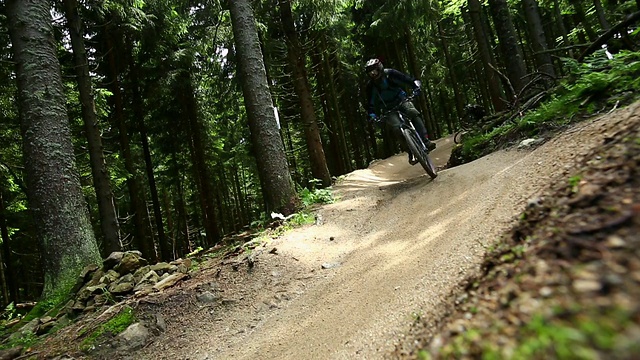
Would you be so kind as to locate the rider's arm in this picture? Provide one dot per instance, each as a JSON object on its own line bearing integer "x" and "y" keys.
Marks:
{"x": 402, "y": 78}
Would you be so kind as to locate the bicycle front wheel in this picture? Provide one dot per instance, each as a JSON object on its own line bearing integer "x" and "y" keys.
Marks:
{"x": 417, "y": 149}
{"x": 457, "y": 137}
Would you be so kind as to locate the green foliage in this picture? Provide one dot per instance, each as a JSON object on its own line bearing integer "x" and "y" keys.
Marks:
{"x": 113, "y": 327}
{"x": 583, "y": 334}
{"x": 316, "y": 196}
{"x": 574, "y": 181}
{"x": 10, "y": 312}
{"x": 593, "y": 85}
{"x": 301, "y": 218}
{"x": 26, "y": 340}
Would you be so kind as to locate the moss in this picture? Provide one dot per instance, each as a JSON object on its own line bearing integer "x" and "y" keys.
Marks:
{"x": 27, "y": 340}
{"x": 116, "y": 325}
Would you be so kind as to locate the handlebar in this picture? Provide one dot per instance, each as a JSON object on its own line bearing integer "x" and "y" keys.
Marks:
{"x": 395, "y": 108}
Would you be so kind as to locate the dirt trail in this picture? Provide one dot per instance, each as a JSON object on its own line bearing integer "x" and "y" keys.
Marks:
{"x": 393, "y": 246}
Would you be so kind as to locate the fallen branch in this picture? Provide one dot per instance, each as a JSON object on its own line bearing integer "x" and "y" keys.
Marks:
{"x": 609, "y": 34}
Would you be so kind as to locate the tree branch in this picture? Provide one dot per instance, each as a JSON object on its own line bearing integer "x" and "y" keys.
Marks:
{"x": 609, "y": 34}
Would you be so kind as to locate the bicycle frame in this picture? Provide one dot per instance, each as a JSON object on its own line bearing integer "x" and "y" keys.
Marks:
{"x": 414, "y": 142}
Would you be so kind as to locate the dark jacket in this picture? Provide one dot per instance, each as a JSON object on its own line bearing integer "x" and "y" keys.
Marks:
{"x": 388, "y": 91}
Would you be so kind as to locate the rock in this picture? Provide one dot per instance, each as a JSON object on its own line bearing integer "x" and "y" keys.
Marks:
{"x": 134, "y": 337}
{"x": 130, "y": 263}
{"x": 45, "y": 327}
{"x": 206, "y": 297}
{"x": 112, "y": 260}
{"x": 109, "y": 277}
{"x": 121, "y": 288}
{"x": 526, "y": 143}
{"x": 100, "y": 299}
{"x": 169, "y": 281}
{"x": 85, "y": 276}
{"x": 328, "y": 266}
{"x": 10, "y": 354}
{"x": 159, "y": 324}
{"x": 148, "y": 280}
{"x": 162, "y": 267}
{"x": 586, "y": 285}
{"x": 186, "y": 262}
{"x": 29, "y": 328}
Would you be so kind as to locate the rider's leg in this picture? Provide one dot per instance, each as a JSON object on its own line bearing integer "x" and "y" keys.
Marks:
{"x": 414, "y": 115}
{"x": 393, "y": 121}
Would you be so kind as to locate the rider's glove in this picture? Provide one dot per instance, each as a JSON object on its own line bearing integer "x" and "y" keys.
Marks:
{"x": 416, "y": 91}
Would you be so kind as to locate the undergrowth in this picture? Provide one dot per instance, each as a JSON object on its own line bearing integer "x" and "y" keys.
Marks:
{"x": 591, "y": 87}
{"x": 113, "y": 327}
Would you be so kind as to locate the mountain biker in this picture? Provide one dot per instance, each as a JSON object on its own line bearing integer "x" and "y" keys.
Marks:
{"x": 384, "y": 91}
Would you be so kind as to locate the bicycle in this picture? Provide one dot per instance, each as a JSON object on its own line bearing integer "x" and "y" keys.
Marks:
{"x": 413, "y": 141}
{"x": 470, "y": 122}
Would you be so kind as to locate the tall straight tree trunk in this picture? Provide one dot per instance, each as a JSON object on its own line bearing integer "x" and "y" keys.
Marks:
{"x": 141, "y": 239}
{"x": 580, "y": 17}
{"x": 273, "y": 169}
{"x": 335, "y": 161}
{"x": 561, "y": 27}
{"x": 484, "y": 50}
{"x": 9, "y": 268}
{"x": 201, "y": 168}
{"x": 344, "y": 150}
{"x": 538, "y": 38}
{"x": 101, "y": 183}
{"x": 138, "y": 112}
{"x": 452, "y": 73}
{"x": 301, "y": 86}
{"x": 510, "y": 49}
{"x": 415, "y": 71}
{"x": 602, "y": 18}
{"x": 61, "y": 217}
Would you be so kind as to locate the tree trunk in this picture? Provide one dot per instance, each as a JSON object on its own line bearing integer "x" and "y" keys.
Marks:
{"x": 9, "y": 269}
{"x": 67, "y": 242}
{"x": 537, "y": 37}
{"x": 581, "y": 18}
{"x": 602, "y": 18}
{"x": 335, "y": 161}
{"x": 138, "y": 113}
{"x": 429, "y": 122}
{"x": 344, "y": 149}
{"x": 301, "y": 86}
{"x": 272, "y": 165}
{"x": 511, "y": 52}
{"x": 484, "y": 50}
{"x": 101, "y": 182}
{"x": 141, "y": 238}
{"x": 201, "y": 168}
{"x": 561, "y": 27}
{"x": 452, "y": 73}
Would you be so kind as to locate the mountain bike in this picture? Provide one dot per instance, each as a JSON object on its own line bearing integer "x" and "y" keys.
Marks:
{"x": 469, "y": 123}
{"x": 414, "y": 142}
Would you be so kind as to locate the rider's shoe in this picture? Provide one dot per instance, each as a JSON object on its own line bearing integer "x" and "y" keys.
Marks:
{"x": 430, "y": 145}
{"x": 412, "y": 159}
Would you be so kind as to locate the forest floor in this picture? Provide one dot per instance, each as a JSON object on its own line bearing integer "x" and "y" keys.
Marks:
{"x": 388, "y": 266}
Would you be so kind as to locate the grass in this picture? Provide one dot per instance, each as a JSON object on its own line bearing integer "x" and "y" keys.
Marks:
{"x": 116, "y": 325}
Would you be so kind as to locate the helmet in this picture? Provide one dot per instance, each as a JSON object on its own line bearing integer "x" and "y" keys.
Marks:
{"x": 374, "y": 68}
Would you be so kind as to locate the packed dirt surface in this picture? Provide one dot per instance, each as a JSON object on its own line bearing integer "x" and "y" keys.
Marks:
{"x": 395, "y": 245}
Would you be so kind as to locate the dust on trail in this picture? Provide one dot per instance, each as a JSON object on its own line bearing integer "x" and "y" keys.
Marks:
{"x": 394, "y": 245}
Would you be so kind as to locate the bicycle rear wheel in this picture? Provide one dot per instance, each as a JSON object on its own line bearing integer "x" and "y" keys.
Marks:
{"x": 417, "y": 149}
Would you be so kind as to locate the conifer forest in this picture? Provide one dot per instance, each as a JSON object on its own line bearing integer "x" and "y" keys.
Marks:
{"x": 168, "y": 126}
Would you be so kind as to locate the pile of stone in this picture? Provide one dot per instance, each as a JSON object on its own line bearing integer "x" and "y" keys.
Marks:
{"x": 123, "y": 274}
